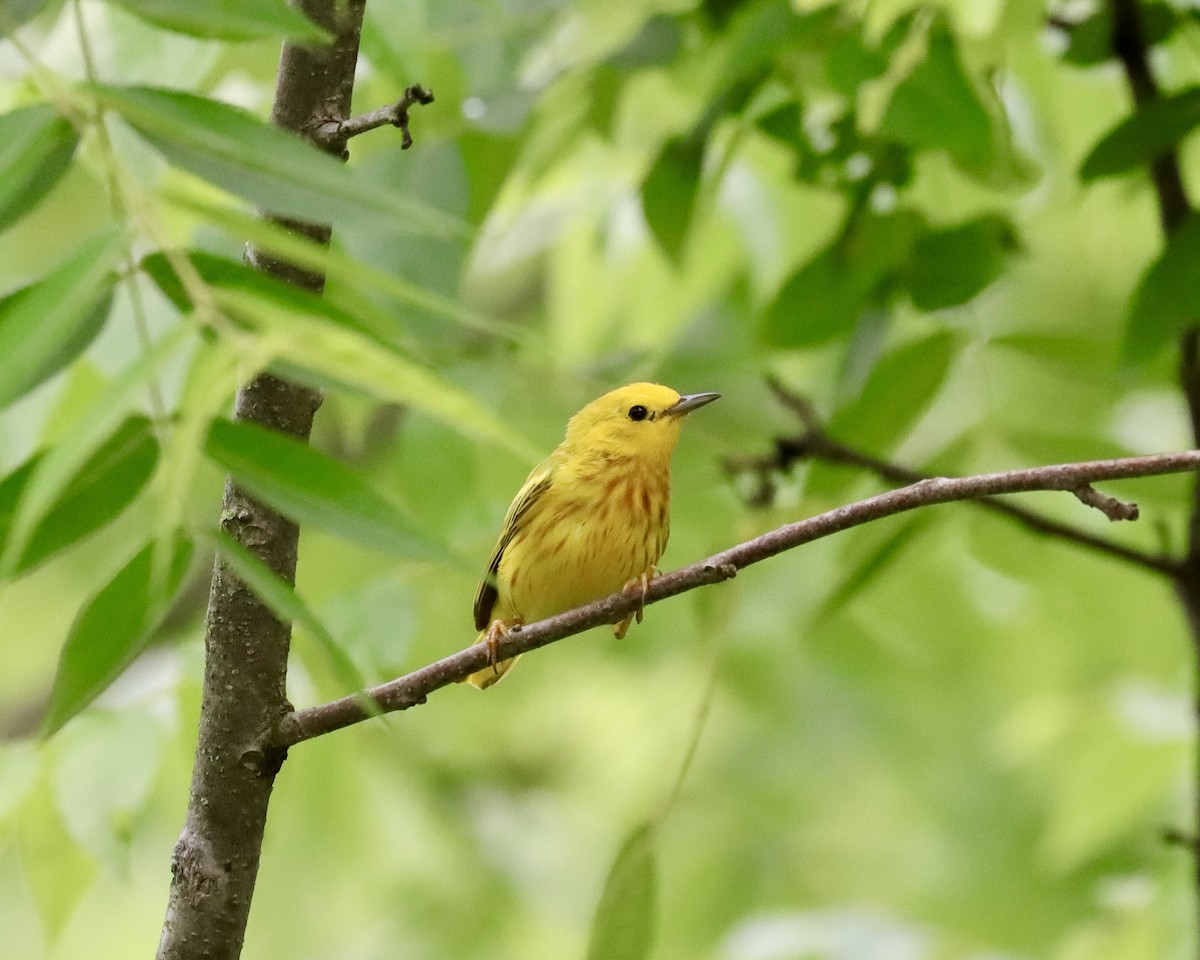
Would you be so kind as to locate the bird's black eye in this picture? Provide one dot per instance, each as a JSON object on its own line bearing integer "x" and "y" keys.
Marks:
{"x": 638, "y": 412}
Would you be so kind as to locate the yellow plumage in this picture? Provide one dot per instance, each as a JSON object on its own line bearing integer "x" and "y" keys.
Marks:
{"x": 592, "y": 518}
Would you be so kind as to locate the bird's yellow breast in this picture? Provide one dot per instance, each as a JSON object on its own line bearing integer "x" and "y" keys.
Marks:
{"x": 588, "y": 537}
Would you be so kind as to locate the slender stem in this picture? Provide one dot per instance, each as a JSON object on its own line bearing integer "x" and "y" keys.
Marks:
{"x": 414, "y": 688}
{"x": 120, "y": 209}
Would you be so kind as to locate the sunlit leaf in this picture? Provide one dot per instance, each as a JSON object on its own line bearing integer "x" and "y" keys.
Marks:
{"x": 263, "y": 163}
{"x": 312, "y": 488}
{"x": 1144, "y": 135}
{"x": 36, "y": 147}
{"x": 227, "y": 19}
{"x": 106, "y": 484}
{"x": 669, "y": 193}
{"x": 43, "y": 327}
{"x": 623, "y": 927}
{"x": 1167, "y": 298}
{"x": 954, "y": 264}
{"x": 113, "y": 628}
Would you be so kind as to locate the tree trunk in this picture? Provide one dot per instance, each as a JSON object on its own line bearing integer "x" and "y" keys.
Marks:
{"x": 246, "y": 647}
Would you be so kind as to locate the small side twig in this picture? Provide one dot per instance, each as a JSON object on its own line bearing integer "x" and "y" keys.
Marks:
{"x": 333, "y": 133}
{"x": 1111, "y": 507}
{"x": 815, "y": 444}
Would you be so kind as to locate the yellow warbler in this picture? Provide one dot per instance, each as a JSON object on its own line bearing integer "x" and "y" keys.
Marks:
{"x": 592, "y": 518}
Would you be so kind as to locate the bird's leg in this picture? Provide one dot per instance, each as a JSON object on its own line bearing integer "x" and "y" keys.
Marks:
{"x": 640, "y": 585}
{"x": 497, "y": 631}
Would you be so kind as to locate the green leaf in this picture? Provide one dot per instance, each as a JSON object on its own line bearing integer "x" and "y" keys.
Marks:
{"x": 283, "y": 601}
{"x": 106, "y": 484}
{"x": 312, "y": 488}
{"x": 952, "y": 265}
{"x": 300, "y": 250}
{"x": 44, "y": 326}
{"x": 656, "y": 44}
{"x": 1143, "y": 136}
{"x": 87, "y": 431}
{"x": 785, "y": 123}
{"x": 325, "y": 354}
{"x": 669, "y": 193}
{"x": 227, "y": 19}
{"x": 825, "y": 297}
{"x": 937, "y": 107}
{"x": 217, "y": 271}
{"x": 1090, "y": 40}
{"x": 900, "y": 388}
{"x": 850, "y": 62}
{"x": 36, "y": 147}
{"x": 18, "y": 12}
{"x": 1167, "y": 298}
{"x": 623, "y": 928}
{"x": 276, "y": 169}
{"x": 114, "y": 627}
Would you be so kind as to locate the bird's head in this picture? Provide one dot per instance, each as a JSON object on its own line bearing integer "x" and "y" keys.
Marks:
{"x": 639, "y": 421}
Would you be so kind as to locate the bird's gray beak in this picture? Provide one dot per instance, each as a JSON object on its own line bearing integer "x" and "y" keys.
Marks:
{"x": 690, "y": 402}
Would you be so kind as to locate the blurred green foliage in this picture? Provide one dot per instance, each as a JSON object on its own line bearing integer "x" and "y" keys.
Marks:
{"x": 935, "y": 737}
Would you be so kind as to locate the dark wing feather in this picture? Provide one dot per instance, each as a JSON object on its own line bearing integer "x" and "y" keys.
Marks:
{"x": 535, "y": 486}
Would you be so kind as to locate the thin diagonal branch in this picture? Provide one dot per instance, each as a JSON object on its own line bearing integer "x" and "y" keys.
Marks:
{"x": 816, "y": 444}
{"x": 413, "y": 689}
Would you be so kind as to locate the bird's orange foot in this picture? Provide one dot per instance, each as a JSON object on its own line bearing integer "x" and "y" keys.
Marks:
{"x": 639, "y": 585}
{"x": 497, "y": 631}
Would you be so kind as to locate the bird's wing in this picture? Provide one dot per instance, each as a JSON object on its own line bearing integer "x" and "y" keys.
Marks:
{"x": 535, "y": 486}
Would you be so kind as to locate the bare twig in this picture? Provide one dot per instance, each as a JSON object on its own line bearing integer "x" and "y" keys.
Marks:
{"x": 411, "y": 690}
{"x": 333, "y": 133}
{"x": 1111, "y": 507}
{"x": 816, "y": 444}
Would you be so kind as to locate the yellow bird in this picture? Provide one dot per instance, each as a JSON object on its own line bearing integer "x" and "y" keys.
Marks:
{"x": 591, "y": 519}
